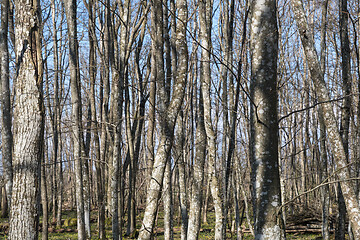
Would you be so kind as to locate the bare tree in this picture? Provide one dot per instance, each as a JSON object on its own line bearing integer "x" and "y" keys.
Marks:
{"x": 205, "y": 17}
{"x": 329, "y": 116}
{"x": 167, "y": 114}
{"x": 77, "y": 135}
{"x": 323, "y": 155}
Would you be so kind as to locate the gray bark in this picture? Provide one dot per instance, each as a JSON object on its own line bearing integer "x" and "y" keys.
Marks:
{"x": 6, "y": 134}
{"x": 325, "y": 197}
{"x": 70, "y": 10}
{"x": 168, "y": 203}
{"x": 56, "y": 119}
{"x": 44, "y": 198}
{"x": 167, "y": 114}
{"x": 167, "y": 184}
{"x": 28, "y": 122}
{"x": 346, "y": 108}
{"x": 180, "y": 153}
{"x": 329, "y": 116}
{"x": 205, "y": 16}
{"x": 94, "y": 122}
{"x": 198, "y": 173}
{"x": 264, "y": 124}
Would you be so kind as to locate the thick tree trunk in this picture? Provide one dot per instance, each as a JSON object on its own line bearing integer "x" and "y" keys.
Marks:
{"x": 264, "y": 123}
{"x": 28, "y": 122}
{"x": 329, "y": 116}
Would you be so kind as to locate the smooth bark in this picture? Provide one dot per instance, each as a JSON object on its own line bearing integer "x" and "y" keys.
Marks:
{"x": 264, "y": 123}
{"x": 77, "y": 135}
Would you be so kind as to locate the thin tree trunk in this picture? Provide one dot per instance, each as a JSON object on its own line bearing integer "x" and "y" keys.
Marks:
{"x": 168, "y": 203}
{"x": 4, "y": 203}
{"x": 198, "y": 171}
{"x": 345, "y": 111}
{"x": 94, "y": 123}
{"x": 6, "y": 134}
{"x": 325, "y": 197}
{"x": 205, "y": 15}
{"x": 44, "y": 199}
{"x": 179, "y": 156}
{"x": 206, "y": 199}
{"x": 70, "y": 9}
{"x": 167, "y": 184}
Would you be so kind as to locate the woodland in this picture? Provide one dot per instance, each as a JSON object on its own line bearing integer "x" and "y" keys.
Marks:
{"x": 180, "y": 119}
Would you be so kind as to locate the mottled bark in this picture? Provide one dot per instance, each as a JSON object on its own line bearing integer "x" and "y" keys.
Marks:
{"x": 180, "y": 157}
{"x": 346, "y": 107}
{"x": 167, "y": 184}
{"x": 205, "y": 16}
{"x": 168, "y": 203}
{"x": 198, "y": 174}
{"x": 325, "y": 196}
{"x": 70, "y": 10}
{"x": 6, "y": 134}
{"x": 329, "y": 116}
{"x": 264, "y": 125}
{"x": 229, "y": 129}
{"x": 167, "y": 114}
{"x": 28, "y": 122}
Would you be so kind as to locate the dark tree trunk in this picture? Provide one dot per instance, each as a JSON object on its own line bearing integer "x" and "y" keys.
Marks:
{"x": 6, "y": 134}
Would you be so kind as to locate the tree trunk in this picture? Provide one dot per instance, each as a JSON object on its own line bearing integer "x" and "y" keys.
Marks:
{"x": 70, "y": 9}
{"x": 205, "y": 15}
{"x": 264, "y": 122}
{"x": 168, "y": 203}
{"x": 345, "y": 111}
{"x": 28, "y": 122}
{"x": 179, "y": 156}
{"x": 197, "y": 189}
{"x": 6, "y": 134}
{"x": 44, "y": 198}
{"x": 324, "y": 192}
{"x": 94, "y": 123}
{"x": 329, "y": 116}
{"x": 167, "y": 114}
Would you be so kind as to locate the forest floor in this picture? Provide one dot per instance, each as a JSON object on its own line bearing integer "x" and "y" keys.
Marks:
{"x": 68, "y": 230}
